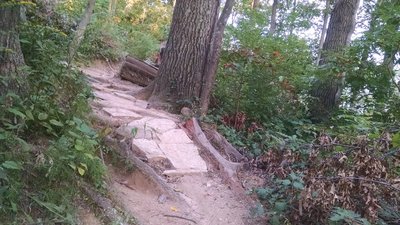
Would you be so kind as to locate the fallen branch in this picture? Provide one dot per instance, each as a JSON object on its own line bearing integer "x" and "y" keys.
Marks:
{"x": 180, "y": 217}
{"x": 229, "y": 168}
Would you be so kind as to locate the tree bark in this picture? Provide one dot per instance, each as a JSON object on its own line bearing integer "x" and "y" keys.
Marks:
{"x": 213, "y": 57}
{"x": 12, "y": 76}
{"x": 326, "y": 92}
{"x": 255, "y": 4}
{"x": 112, "y": 6}
{"x": 272, "y": 27}
{"x": 323, "y": 31}
{"x": 182, "y": 69}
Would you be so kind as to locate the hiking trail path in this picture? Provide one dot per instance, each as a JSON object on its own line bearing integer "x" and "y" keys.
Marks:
{"x": 158, "y": 140}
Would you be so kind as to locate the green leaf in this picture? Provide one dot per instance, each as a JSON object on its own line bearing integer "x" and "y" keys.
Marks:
{"x": 280, "y": 206}
{"x": 56, "y": 123}
{"x": 81, "y": 171}
{"x": 29, "y": 115}
{"x": 79, "y": 147}
{"x": 3, "y": 174}
{"x": 72, "y": 165}
{"x": 298, "y": 185}
{"x": 286, "y": 182}
{"x": 73, "y": 134}
{"x": 396, "y": 140}
{"x": 134, "y": 131}
{"x": 90, "y": 156}
{"x": 11, "y": 165}
{"x": 84, "y": 165}
{"x": 43, "y": 116}
{"x": 16, "y": 112}
{"x": 13, "y": 207}
{"x": 2, "y": 136}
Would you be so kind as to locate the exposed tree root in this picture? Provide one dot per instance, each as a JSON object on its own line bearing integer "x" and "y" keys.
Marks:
{"x": 145, "y": 93}
{"x": 222, "y": 144}
{"x": 124, "y": 150}
{"x": 229, "y": 168}
{"x": 105, "y": 205}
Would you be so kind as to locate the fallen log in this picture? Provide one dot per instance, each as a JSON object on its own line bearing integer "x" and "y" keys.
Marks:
{"x": 145, "y": 67}
{"x": 137, "y": 71}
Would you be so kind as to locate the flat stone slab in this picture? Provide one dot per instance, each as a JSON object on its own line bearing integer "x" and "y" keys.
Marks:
{"x": 143, "y": 132}
{"x": 119, "y": 112}
{"x": 184, "y": 156}
{"x": 148, "y": 147}
{"x": 175, "y": 136}
{"x": 160, "y": 125}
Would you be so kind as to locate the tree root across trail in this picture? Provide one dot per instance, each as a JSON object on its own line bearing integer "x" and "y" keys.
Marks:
{"x": 178, "y": 176}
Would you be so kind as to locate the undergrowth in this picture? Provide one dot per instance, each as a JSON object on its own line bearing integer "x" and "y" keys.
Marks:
{"x": 342, "y": 172}
{"x": 47, "y": 144}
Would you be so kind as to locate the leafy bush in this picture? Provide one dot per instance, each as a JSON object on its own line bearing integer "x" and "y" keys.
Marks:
{"x": 47, "y": 143}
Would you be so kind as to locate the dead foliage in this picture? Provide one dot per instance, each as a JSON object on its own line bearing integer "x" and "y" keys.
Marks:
{"x": 362, "y": 176}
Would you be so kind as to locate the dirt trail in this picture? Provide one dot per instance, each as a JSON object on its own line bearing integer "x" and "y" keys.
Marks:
{"x": 166, "y": 148}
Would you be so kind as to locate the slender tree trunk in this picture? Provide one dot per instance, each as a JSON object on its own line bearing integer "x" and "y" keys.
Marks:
{"x": 255, "y": 4}
{"x": 291, "y": 26}
{"x": 341, "y": 26}
{"x": 112, "y": 6}
{"x": 181, "y": 72}
{"x": 272, "y": 27}
{"x": 210, "y": 71}
{"x": 12, "y": 76}
{"x": 77, "y": 39}
{"x": 323, "y": 31}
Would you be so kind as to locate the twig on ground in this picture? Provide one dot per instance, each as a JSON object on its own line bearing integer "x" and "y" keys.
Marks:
{"x": 180, "y": 217}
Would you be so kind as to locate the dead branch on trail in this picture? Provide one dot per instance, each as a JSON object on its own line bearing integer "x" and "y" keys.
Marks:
{"x": 229, "y": 168}
{"x": 180, "y": 217}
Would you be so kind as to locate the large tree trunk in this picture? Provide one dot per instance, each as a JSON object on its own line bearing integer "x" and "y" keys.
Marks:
{"x": 272, "y": 26}
{"x": 326, "y": 93}
{"x": 12, "y": 76}
{"x": 185, "y": 56}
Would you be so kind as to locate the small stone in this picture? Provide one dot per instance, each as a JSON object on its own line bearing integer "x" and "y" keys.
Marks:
{"x": 186, "y": 112}
{"x": 162, "y": 199}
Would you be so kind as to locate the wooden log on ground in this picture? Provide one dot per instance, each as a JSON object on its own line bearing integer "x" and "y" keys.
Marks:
{"x": 137, "y": 71}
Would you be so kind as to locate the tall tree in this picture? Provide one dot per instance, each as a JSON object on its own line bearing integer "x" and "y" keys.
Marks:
{"x": 326, "y": 92}
{"x": 190, "y": 58}
{"x": 12, "y": 76}
{"x": 272, "y": 26}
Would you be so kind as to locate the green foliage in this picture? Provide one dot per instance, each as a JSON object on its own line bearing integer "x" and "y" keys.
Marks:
{"x": 135, "y": 28}
{"x": 47, "y": 142}
{"x": 340, "y": 215}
